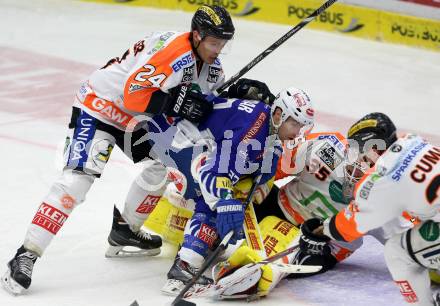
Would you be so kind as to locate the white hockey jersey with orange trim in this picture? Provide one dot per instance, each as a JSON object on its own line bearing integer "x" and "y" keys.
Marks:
{"x": 124, "y": 86}
{"x": 405, "y": 178}
{"x": 316, "y": 191}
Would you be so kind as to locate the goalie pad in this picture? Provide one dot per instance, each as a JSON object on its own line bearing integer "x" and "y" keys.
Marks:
{"x": 239, "y": 277}
{"x": 172, "y": 212}
{"x": 169, "y": 219}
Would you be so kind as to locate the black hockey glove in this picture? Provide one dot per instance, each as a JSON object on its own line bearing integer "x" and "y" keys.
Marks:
{"x": 186, "y": 103}
{"x": 311, "y": 243}
{"x": 252, "y": 90}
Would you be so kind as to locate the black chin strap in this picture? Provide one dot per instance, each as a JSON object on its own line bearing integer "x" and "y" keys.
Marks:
{"x": 193, "y": 46}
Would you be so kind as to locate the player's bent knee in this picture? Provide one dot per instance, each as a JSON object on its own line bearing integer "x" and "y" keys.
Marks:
{"x": 70, "y": 189}
{"x": 153, "y": 177}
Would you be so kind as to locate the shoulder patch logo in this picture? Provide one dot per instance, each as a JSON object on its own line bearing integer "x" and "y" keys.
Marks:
{"x": 396, "y": 148}
{"x": 329, "y": 156}
{"x": 214, "y": 73}
{"x": 430, "y": 231}
{"x": 135, "y": 87}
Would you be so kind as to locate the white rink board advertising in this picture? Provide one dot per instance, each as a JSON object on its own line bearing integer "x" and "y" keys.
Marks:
{"x": 342, "y": 18}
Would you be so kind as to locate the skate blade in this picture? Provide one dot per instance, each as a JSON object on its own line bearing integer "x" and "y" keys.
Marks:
{"x": 126, "y": 251}
{"x": 10, "y": 285}
{"x": 247, "y": 297}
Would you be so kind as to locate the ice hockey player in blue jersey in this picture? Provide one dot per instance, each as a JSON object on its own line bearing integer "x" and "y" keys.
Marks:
{"x": 240, "y": 138}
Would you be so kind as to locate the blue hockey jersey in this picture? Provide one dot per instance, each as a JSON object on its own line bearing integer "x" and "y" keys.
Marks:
{"x": 233, "y": 142}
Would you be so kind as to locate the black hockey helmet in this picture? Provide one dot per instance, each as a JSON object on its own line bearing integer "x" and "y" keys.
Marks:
{"x": 213, "y": 20}
{"x": 359, "y": 158}
{"x": 373, "y": 126}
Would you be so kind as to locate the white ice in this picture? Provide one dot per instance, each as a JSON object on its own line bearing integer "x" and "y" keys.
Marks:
{"x": 48, "y": 47}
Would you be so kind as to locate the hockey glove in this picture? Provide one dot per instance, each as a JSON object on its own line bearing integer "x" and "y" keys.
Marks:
{"x": 252, "y": 90}
{"x": 311, "y": 242}
{"x": 230, "y": 216}
{"x": 188, "y": 104}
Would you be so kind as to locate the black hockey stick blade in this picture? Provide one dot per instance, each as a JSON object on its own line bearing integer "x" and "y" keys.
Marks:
{"x": 183, "y": 302}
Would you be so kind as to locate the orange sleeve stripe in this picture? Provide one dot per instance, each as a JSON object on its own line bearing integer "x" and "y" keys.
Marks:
{"x": 410, "y": 218}
{"x": 138, "y": 100}
{"x": 286, "y": 164}
{"x": 346, "y": 228}
{"x": 342, "y": 254}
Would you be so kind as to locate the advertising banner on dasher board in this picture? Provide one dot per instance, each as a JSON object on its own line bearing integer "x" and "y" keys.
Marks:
{"x": 341, "y": 18}
{"x": 434, "y": 3}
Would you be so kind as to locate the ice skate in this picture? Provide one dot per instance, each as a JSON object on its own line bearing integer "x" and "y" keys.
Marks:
{"x": 179, "y": 275}
{"x": 126, "y": 243}
{"x": 18, "y": 277}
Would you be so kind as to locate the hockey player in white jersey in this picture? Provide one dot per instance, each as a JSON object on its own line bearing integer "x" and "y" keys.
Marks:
{"x": 150, "y": 78}
{"x": 316, "y": 190}
{"x": 403, "y": 175}
{"x": 320, "y": 188}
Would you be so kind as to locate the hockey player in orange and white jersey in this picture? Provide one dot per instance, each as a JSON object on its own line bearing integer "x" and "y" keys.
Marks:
{"x": 152, "y": 77}
{"x": 316, "y": 190}
{"x": 320, "y": 188}
{"x": 403, "y": 175}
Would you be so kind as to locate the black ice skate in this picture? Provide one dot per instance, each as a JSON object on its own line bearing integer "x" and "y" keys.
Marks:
{"x": 18, "y": 277}
{"x": 180, "y": 274}
{"x": 126, "y": 243}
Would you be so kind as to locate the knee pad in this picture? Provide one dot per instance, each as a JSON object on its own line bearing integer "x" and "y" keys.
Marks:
{"x": 277, "y": 234}
{"x": 421, "y": 244}
{"x": 67, "y": 192}
{"x": 70, "y": 189}
{"x": 153, "y": 176}
{"x": 144, "y": 194}
{"x": 396, "y": 253}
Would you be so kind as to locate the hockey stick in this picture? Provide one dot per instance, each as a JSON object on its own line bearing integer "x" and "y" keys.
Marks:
{"x": 179, "y": 301}
{"x": 272, "y": 47}
{"x": 251, "y": 228}
{"x": 252, "y": 231}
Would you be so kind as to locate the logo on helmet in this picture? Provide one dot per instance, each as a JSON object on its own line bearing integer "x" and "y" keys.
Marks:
{"x": 299, "y": 100}
{"x": 362, "y": 125}
{"x": 210, "y": 12}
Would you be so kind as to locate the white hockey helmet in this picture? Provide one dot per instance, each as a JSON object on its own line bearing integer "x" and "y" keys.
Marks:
{"x": 294, "y": 103}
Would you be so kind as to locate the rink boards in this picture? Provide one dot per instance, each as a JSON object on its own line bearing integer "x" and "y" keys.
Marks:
{"x": 341, "y": 18}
